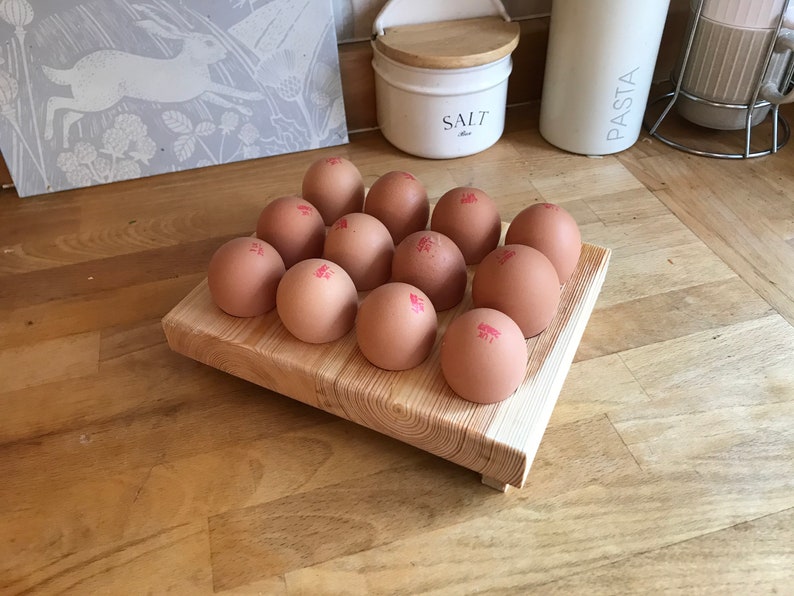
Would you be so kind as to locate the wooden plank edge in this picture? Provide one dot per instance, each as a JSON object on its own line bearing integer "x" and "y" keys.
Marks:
{"x": 555, "y": 367}
{"x": 564, "y": 352}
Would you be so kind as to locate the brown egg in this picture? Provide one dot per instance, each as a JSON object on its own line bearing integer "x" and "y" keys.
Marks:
{"x": 243, "y": 275}
{"x": 293, "y": 227}
{"x": 396, "y": 326}
{"x": 471, "y": 219}
{"x": 335, "y": 186}
{"x": 553, "y": 231}
{"x": 434, "y": 264}
{"x": 363, "y": 247}
{"x": 400, "y": 201}
{"x": 317, "y": 301}
{"x": 483, "y": 356}
{"x": 522, "y": 283}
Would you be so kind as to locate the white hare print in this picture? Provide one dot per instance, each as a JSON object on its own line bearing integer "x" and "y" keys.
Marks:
{"x": 97, "y": 91}
{"x": 101, "y": 79}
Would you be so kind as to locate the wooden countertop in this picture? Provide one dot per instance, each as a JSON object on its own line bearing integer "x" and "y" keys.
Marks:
{"x": 668, "y": 464}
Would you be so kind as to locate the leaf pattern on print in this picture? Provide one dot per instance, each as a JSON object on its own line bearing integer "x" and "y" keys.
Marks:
{"x": 205, "y": 128}
{"x": 286, "y": 129}
{"x": 184, "y": 147}
{"x": 178, "y": 122}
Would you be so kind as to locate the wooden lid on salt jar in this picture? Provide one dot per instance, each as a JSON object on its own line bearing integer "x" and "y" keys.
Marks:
{"x": 459, "y": 43}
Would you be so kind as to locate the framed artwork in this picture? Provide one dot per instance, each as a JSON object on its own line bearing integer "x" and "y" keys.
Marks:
{"x": 95, "y": 91}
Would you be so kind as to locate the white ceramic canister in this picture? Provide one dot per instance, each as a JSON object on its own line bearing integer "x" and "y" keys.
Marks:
{"x": 727, "y": 62}
{"x": 441, "y": 86}
{"x": 599, "y": 67}
{"x": 750, "y": 14}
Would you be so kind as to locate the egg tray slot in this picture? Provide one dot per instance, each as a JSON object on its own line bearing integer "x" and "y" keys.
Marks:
{"x": 415, "y": 406}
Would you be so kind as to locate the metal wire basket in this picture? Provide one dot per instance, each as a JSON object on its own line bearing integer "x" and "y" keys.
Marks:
{"x": 780, "y": 130}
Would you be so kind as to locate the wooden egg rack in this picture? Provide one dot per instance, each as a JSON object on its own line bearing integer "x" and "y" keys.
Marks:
{"x": 415, "y": 406}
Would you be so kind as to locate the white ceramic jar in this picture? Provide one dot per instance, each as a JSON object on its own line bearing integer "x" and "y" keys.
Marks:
{"x": 727, "y": 63}
{"x": 599, "y": 67}
{"x": 441, "y": 87}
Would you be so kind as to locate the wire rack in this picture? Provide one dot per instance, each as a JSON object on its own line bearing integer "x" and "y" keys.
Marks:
{"x": 780, "y": 129}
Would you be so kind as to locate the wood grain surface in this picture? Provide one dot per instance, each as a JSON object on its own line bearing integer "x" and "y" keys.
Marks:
{"x": 450, "y": 44}
{"x": 667, "y": 465}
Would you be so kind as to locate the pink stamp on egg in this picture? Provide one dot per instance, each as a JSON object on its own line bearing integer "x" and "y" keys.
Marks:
{"x": 333, "y": 161}
{"x": 305, "y": 209}
{"x": 341, "y": 224}
{"x": 257, "y": 248}
{"x": 488, "y": 332}
{"x": 468, "y": 198}
{"x": 505, "y": 256}
{"x": 425, "y": 244}
{"x": 408, "y": 176}
{"x": 417, "y": 303}
{"x": 323, "y": 272}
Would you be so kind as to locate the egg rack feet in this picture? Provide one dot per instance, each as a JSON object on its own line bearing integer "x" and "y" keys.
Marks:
{"x": 495, "y": 484}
